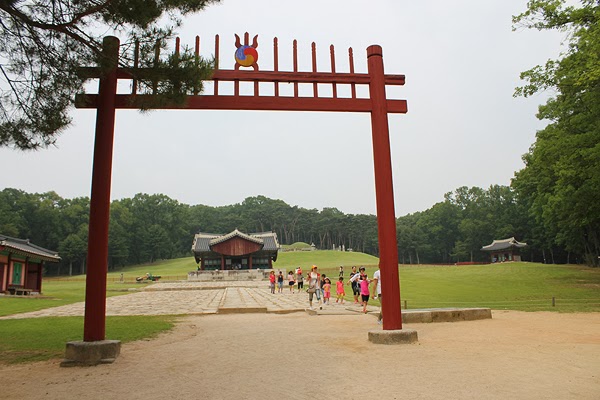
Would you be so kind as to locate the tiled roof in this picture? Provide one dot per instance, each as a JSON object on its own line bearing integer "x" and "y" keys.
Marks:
{"x": 503, "y": 244}
{"x": 203, "y": 241}
{"x": 25, "y": 248}
{"x": 270, "y": 240}
{"x": 235, "y": 233}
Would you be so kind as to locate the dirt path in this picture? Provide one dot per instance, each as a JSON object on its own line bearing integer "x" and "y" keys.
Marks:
{"x": 515, "y": 355}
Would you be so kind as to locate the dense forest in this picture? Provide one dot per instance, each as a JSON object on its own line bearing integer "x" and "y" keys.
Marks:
{"x": 147, "y": 227}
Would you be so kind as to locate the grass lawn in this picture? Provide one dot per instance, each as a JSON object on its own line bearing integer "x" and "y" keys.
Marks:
{"x": 514, "y": 286}
{"x": 57, "y": 292}
{"x": 38, "y": 339}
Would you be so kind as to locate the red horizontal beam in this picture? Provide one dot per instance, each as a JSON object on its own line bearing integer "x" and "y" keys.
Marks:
{"x": 302, "y": 77}
{"x": 252, "y": 76}
{"x": 248, "y": 103}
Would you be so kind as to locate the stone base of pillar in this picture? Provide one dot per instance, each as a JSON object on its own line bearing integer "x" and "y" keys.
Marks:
{"x": 398, "y": 336}
{"x": 82, "y": 354}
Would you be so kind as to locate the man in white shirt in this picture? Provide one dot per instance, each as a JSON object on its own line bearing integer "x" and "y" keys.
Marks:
{"x": 377, "y": 291}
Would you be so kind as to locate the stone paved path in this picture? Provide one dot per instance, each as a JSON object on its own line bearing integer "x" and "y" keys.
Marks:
{"x": 199, "y": 298}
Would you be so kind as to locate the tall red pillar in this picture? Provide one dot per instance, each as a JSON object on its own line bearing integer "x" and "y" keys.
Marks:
{"x": 386, "y": 216}
{"x": 94, "y": 328}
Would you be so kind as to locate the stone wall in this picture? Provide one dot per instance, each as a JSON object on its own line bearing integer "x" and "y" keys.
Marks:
{"x": 233, "y": 275}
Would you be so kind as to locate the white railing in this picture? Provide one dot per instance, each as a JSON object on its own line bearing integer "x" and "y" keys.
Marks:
{"x": 230, "y": 275}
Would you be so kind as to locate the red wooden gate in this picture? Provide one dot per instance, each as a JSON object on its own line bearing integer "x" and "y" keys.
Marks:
{"x": 107, "y": 101}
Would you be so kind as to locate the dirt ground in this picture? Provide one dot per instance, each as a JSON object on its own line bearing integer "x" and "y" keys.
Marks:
{"x": 515, "y": 355}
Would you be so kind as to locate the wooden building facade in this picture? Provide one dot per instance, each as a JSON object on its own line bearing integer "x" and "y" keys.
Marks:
{"x": 504, "y": 250}
{"x": 235, "y": 250}
{"x": 22, "y": 265}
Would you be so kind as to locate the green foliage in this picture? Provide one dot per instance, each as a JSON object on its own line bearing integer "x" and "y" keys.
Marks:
{"x": 38, "y": 339}
{"x": 148, "y": 228}
{"x": 561, "y": 179}
{"x": 43, "y": 43}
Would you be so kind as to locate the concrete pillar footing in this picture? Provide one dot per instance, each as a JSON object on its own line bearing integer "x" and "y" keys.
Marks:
{"x": 397, "y": 336}
{"x": 82, "y": 353}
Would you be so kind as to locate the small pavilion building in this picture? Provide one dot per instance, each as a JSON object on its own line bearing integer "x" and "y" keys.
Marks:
{"x": 504, "y": 250}
{"x": 22, "y": 265}
{"x": 235, "y": 250}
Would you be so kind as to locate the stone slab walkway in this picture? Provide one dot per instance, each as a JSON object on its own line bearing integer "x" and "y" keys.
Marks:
{"x": 189, "y": 298}
{"x": 199, "y": 298}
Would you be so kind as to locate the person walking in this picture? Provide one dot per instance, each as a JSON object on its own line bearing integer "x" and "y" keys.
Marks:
{"x": 291, "y": 281}
{"x": 280, "y": 282}
{"x": 300, "y": 280}
{"x": 272, "y": 281}
{"x": 321, "y": 284}
{"x": 354, "y": 281}
{"x": 364, "y": 291}
{"x": 377, "y": 293}
{"x": 340, "y": 292}
{"x": 313, "y": 278}
{"x": 341, "y": 273}
{"x": 327, "y": 291}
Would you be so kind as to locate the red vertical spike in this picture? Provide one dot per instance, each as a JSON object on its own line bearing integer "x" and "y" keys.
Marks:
{"x": 156, "y": 60}
{"x": 177, "y": 45}
{"x": 332, "y": 54}
{"x": 246, "y": 39}
{"x": 197, "y": 60}
{"x": 295, "y": 66}
{"x": 276, "y": 63}
{"x": 216, "y": 85}
{"x": 236, "y": 84}
{"x": 351, "y": 60}
{"x": 314, "y": 68}
{"x": 136, "y": 64}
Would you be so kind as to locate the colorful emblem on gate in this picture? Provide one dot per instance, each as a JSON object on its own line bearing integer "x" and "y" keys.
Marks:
{"x": 246, "y": 54}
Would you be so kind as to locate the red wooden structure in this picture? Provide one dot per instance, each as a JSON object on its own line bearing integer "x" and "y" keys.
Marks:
{"x": 107, "y": 101}
{"x": 235, "y": 250}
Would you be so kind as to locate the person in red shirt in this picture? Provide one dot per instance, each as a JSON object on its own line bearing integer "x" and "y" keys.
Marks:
{"x": 272, "y": 281}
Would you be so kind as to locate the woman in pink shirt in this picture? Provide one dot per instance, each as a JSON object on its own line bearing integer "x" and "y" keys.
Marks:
{"x": 364, "y": 291}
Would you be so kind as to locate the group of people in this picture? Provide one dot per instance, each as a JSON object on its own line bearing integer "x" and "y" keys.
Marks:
{"x": 320, "y": 286}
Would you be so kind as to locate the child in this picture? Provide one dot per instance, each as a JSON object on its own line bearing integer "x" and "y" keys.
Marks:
{"x": 280, "y": 282}
{"x": 272, "y": 281}
{"x": 291, "y": 281}
{"x": 340, "y": 290}
{"x": 300, "y": 280}
{"x": 326, "y": 291}
{"x": 364, "y": 291}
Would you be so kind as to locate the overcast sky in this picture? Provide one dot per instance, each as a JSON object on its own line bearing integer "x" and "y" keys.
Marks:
{"x": 463, "y": 127}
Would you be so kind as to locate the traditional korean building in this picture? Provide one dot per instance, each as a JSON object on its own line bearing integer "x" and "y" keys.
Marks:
{"x": 235, "y": 250}
{"x": 504, "y": 250}
{"x": 22, "y": 265}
